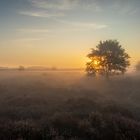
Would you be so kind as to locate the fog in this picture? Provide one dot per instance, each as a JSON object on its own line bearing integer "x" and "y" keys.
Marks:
{"x": 38, "y": 86}
{"x": 39, "y": 96}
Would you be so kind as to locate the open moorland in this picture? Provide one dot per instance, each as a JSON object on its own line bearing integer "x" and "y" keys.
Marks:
{"x": 59, "y": 105}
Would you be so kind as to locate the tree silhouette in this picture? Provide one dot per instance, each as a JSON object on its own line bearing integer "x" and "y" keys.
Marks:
{"x": 138, "y": 66}
{"x": 21, "y": 68}
{"x": 109, "y": 58}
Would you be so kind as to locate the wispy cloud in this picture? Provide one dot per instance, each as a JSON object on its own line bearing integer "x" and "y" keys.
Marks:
{"x": 65, "y": 5}
{"x": 58, "y": 8}
{"x": 83, "y": 25}
{"x": 128, "y": 10}
{"x": 41, "y": 14}
{"x": 89, "y": 25}
{"x": 67, "y": 26}
{"x": 33, "y": 30}
{"x": 55, "y": 4}
{"x": 125, "y": 7}
{"x": 28, "y": 39}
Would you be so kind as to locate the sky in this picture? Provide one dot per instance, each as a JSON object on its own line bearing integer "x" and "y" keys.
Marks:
{"x": 61, "y": 33}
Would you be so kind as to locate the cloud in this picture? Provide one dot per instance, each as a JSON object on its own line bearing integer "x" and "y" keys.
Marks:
{"x": 42, "y": 14}
{"x": 68, "y": 26}
{"x": 129, "y": 10}
{"x": 119, "y": 6}
{"x": 89, "y": 25}
{"x": 125, "y": 7}
{"x": 83, "y": 25}
{"x": 26, "y": 39}
{"x": 33, "y": 30}
{"x": 65, "y": 5}
{"x": 55, "y": 4}
{"x": 58, "y": 8}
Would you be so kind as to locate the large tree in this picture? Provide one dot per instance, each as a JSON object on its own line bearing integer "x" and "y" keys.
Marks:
{"x": 109, "y": 58}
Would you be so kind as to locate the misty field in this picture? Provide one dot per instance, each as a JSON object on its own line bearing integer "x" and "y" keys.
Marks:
{"x": 68, "y": 105}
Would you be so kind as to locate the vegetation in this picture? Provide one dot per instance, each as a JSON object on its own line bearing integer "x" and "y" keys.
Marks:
{"x": 65, "y": 106}
{"x": 21, "y": 68}
{"x": 108, "y": 58}
{"x": 138, "y": 67}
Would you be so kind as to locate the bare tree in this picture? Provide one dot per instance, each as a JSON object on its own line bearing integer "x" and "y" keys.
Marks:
{"x": 109, "y": 58}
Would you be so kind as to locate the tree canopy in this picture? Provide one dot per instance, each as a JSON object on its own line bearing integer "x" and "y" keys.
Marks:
{"x": 109, "y": 58}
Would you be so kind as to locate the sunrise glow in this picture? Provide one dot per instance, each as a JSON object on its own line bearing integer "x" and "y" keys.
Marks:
{"x": 61, "y": 33}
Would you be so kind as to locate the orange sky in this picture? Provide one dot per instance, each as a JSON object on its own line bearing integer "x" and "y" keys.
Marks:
{"x": 61, "y": 33}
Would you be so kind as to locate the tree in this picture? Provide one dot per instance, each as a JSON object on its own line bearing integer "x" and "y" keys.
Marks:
{"x": 109, "y": 58}
{"x": 138, "y": 67}
{"x": 21, "y": 68}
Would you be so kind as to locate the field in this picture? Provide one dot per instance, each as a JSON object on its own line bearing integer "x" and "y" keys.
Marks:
{"x": 68, "y": 105}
